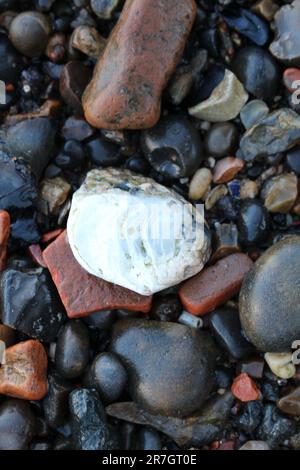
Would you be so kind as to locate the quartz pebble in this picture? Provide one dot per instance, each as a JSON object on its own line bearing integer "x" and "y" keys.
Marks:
{"x": 281, "y": 364}
{"x": 29, "y": 33}
{"x": 255, "y": 445}
{"x": 286, "y": 46}
{"x": 4, "y": 236}
{"x": 87, "y": 40}
{"x": 215, "y": 285}
{"x": 53, "y": 194}
{"x": 245, "y": 389}
{"x": 281, "y": 193}
{"x": 225, "y": 102}
{"x": 24, "y": 373}
{"x": 269, "y": 297}
{"x": 277, "y": 132}
{"x": 173, "y": 147}
{"x": 164, "y": 350}
{"x": 200, "y": 183}
{"x": 253, "y": 112}
{"x": 123, "y": 204}
{"x": 147, "y": 42}
{"x": 96, "y": 294}
{"x": 226, "y": 169}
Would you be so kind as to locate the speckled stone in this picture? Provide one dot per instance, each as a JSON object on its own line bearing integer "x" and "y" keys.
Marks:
{"x": 270, "y": 297}
{"x": 141, "y": 54}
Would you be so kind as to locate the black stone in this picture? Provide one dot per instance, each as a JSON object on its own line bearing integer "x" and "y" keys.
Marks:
{"x": 17, "y": 185}
{"x": 55, "y": 404}
{"x": 138, "y": 164}
{"x": 33, "y": 140}
{"x": 10, "y": 61}
{"x": 258, "y": 71}
{"x": 222, "y": 140}
{"x": 173, "y": 147}
{"x": 25, "y": 230}
{"x": 17, "y": 425}
{"x": 30, "y": 303}
{"x": 275, "y": 428}
{"x": 250, "y": 417}
{"x": 103, "y": 153}
{"x": 89, "y": 425}
{"x": 293, "y": 160}
{"x": 253, "y": 223}
{"x": 166, "y": 308}
{"x": 270, "y": 297}
{"x": 108, "y": 376}
{"x": 148, "y": 439}
{"x": 247, "y": 24}
{"x": 76, "y": 128}
{"x": 71, "y": 156}
{"x": 161, "y": 357}
{"x": 102, "y": 320}
{"x": 226, "y": 326}
{"x": 72, "y": 349}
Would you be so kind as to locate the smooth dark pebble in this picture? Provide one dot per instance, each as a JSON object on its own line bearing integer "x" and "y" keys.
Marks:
{"x": 108, "y": 376}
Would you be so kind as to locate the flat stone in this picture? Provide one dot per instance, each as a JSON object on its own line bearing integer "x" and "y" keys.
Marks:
{"x": 226, "y": 169}
{"x": 290, "y": 403}
{"x": 95, "y": 294}
{"x": 4, "y": 236}
{"x": 245, "y": 389}
{"x": 215, "y": 285}
{"x": 225, "y": 102}
{"x": 24, "y": 372}
{"x": 139, "y": 227}
{"x": 270, "y": 297}
{"x": 276, "y": 133}
{"x": 141, "y": 55}
{"x": 286, "y": 46}
{"x": 199, "y": 429}
{"x": 166, "y": 357}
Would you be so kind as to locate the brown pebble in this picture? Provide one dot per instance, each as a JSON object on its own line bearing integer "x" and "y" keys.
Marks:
{"x": 215, "y": 284}
{"x": 7, "y": 335}
{"x": 50, "y": 108}
{"x": 290, "y": 403}
{"x": 73, "y": 81}
{"x": 4, "y": 236}
{"x": 82, "y": 293}
{"x": 226, "y": 169}
{"x": 24, "y": 372}
{"x": 140, "y": 57}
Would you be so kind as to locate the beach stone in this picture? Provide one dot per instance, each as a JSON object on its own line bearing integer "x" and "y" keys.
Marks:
{"x": 125, "y": 206}
{"x": 258, "y": 71}
{"x": 269, "y": 297}
{"x": 17, "y": 425}
{"x": 170, "y": 368}
{"x": 290, "y": 76}
{"x": 277, "y": 132}
{"x": 286, "y": 46}
{"x": 252, "y": 112}
{"x": 275, "y": 428}
{"x": 74, "y": 78}
{"x": 108, "y": 376}
{"x": 200, "y": 184}
{"x": 281, "y": 364}
{"x": 104, "y": 9}
{"x": 55, "y": 403}
{"x": 245, "y": 389}
{"x": 53, "y": 194}
{"x": 253, "y": 222}
{"x": 95, "y": 294}
{"x": 293, "y": 160}
{"x": 255, "y": 445}
{"x": 281, "y": 193}
{"x": 4, "y": 236}
{"x": 141, "y": 55}
{"x": 173, "y": 147}
{"x": 290, "y": 403}
{"x": 215, "y": 285}
{"x": 226, "y": 169}
{"x": 24, "y": 372}
{"x": 29, "y": 33}
{"x": 222, "y": 139}
{"x": 87, "y": 40}
{"x": 224, "y": 103}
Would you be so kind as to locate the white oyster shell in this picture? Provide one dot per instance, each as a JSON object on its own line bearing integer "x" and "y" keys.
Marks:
{"x": 130, "y": 230}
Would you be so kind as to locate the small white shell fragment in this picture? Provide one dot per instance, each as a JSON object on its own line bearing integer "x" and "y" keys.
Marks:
{"x": 225, "y": 102}
{"x": 281, "y": 364}
{"x": 131, "y": 231}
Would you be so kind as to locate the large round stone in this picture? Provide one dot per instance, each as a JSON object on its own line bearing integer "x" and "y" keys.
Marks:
{"x": 131, "y": 231}
{"x": 170, "y": 366}
{"x": 270, "y": 297}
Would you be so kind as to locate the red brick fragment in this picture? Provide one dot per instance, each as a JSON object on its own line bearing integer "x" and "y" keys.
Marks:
{"x": 215, "y": 284}
{"x": 82, "y": 293}
{"x": 4, "y": 236}
{"x": 49, "y": 236}
{"x": 141, "y": 54}
{"x": 24, "y": 372}
{"x": 37, "y": 255}
{"x": 245, "y": 389}
{"x": 227, "y": 445}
